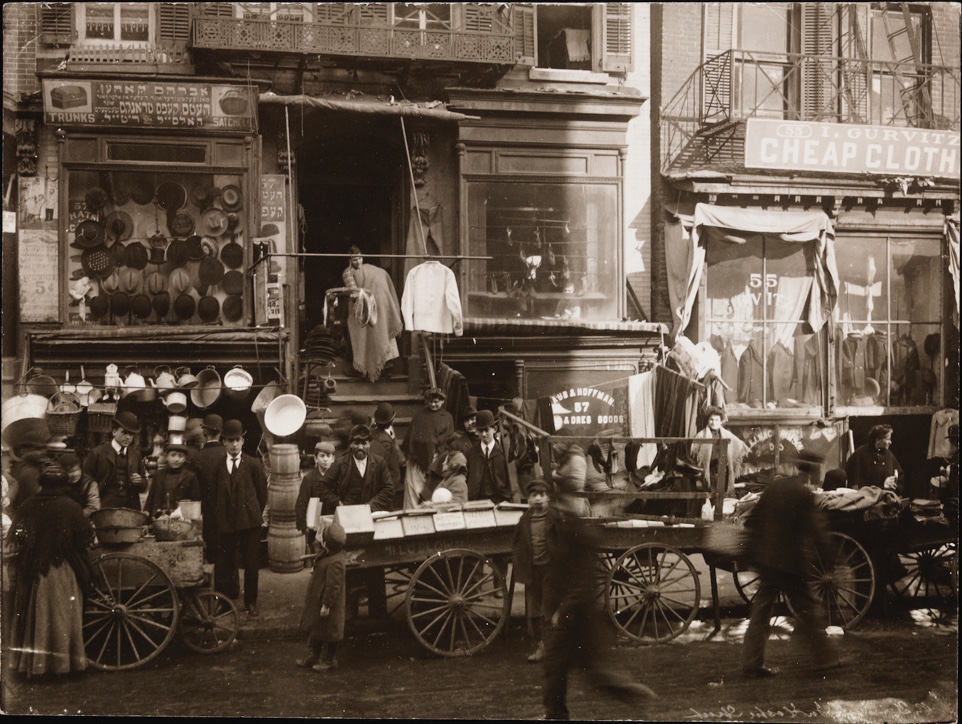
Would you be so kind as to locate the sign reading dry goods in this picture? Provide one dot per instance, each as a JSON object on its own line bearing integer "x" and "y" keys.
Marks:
{"x": 845, "y": 148}
{"x": 586, "y": 410}
{"x": 144, "y": 104}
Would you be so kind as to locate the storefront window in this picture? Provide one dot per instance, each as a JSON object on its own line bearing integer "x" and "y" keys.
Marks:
{"x": 773, "y": 449}
{"x": 757, "y": 290}
{"x": 890, "y": 302}
{"x": 554, "y": 249}
{"x": 147, "y": 248}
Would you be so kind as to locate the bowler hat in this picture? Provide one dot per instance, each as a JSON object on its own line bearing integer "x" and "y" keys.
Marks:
{"x": 360, "y": 433}
{"x": 184, "y": 306}
{"x": 384, "y": 413}
{"x": 141, "y": 306}
{"x": 161, "y": 304}
{"x": 98, "y": 307}
{"x": 176, "y": 447}
{"x": 118, "y": 226}
{"x": 434, "y": 393}
{"x": 208, "y": 309}
{"x": 233, "y": 308}
{"x": 231, "y": 198}
{"x": 324, "y": 447}
{"x": 485, "y": 419}
{"x": 468, "y": 411}
{"x": 127, "y": 420}
{"x": 27, "y": 431}
{"x": 233, "y": 428}
{"x": 214, "y": 423}
{"x": 119, "y": 304}
{"x": 334, "y": 536}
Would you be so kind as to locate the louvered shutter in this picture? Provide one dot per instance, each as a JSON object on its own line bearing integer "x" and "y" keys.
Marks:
{"x": 56, "y": 23}
{"x": 616, "y": 37}
{"x": 719, "y": 21}
{"x": 719, "y": 29}
{"x": 174, "y": 25}
{"x": 818, "y": 69}
{"x": 522, "y": 20}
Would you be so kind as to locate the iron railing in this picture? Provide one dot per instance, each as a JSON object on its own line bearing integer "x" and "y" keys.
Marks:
{"x": 740, "y": 84}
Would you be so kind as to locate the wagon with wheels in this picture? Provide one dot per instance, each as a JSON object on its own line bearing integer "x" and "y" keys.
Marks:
{"x": 144, "y": 591}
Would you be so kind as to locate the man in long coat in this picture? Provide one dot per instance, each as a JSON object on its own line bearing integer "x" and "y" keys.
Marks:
{"x": 487, "y": 464}
{"x": 117, "y": 466}
{"x": 205, "y": 464}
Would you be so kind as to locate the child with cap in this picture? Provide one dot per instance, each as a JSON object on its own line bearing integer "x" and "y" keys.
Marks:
{"x": 531, "y": 558}
{"x": 82, "y": 488}
{"x": 324, "y": 607}
{"x": 172, "y": 483}
{"x": 311, "y": 488}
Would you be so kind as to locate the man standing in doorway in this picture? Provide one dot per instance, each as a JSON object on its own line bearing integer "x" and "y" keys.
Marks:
{"x": 240, "y": 497}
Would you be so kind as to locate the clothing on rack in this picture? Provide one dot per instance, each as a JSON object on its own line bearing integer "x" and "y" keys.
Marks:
{"x": 677, "y": 401}
{"x": 852, "y": 362}
{"x": 727, "y": 360}
{"x": 938, "y": 430}
{"x": 431, "y": 301}
{"x": 375, "y": 343}
{"x": 641, "y": 403}
{"x": 780, "y": 365}
{"x": 751, "y": 379}
{"x": 806, "y": 365}
{"x": 455, "y": 387}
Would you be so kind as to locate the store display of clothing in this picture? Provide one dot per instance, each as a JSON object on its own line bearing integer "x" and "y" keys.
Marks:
{"x": 906, "y": 368}
{"x": 876, "y": 357}
{"x": 432, "y": 241}
{"x": 806, "y": 364}
{"x": 781, "y": 362}
{"x": 374, "y": 344}
{"x": 851, "y": 353}
{"x": 939, "y": 428}
{"x": 641, "y": 402}
{"x": 431, "y": 301}
{"x": 728, "y": 360}
{"x": 751, "y": 376}
{"x": 677, "y": 400}
{"x": 455, "y": 387}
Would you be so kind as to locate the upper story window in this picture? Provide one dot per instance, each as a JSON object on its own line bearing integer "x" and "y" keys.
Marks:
{"x": 273, "y": 11}
{"x": 112, "y": 23}
{"x": 422, "y": 16}
{"x": 900, "y": 42}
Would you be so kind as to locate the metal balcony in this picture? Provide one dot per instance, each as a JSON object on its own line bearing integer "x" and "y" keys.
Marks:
{"x": 703, "y": 124}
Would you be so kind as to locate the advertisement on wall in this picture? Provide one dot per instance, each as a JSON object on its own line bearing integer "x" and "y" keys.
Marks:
{"x": 590, "y": 411}
{"x": 847, "y": 148}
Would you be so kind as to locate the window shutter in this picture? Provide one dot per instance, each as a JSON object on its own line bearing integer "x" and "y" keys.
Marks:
{"x": 56, "y": 23}
{"x": 817, "y": 70}
{"x": 616, "y": 37}
{"x": 522, "y": 20}
{"x": 174, "y": 25}
{"x": 719, "y": 28}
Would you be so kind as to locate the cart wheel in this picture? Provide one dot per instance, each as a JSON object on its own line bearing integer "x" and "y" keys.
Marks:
{"x": 396, "y": 582}
{"x": 746, "y": 583}
{"x": 653, "y": 592}
{"x": 131, "y": 613}
{"x": 208, "y": 622}
{"x": 929, "y": 573}
{"x": 846, "y": 591}
{"x": 457, "y": 602}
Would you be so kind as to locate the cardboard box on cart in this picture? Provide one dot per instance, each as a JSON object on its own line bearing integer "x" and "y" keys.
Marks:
{"x": 357, "y": 523}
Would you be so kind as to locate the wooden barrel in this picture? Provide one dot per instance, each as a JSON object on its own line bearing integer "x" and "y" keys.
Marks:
{"x": 282, "y": 490}
{"x": 285, "y": 459}
{"x": 285, "y": 546}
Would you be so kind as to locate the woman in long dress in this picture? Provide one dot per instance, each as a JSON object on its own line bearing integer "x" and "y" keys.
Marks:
{"x": 51, "y": 537}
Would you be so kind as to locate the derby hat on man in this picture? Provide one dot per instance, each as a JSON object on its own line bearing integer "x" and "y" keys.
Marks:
{"x": 384, "y": 413}
{"x": 485, "y": 419}
{"x": 127, "y": 420}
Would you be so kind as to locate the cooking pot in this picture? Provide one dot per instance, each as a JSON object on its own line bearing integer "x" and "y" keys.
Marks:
{"x": 207, "y": 390}
{"x": 84, "y": 388}
{"x": 171, "y": 529}
{"x": 185, "y": 380}
{"x": 133, "y": 382}
{"x": 285, "y": 415}
{"x": 177, "y": 423}
{"x": 238, "y": 383}
{"x": 176, "y": 402}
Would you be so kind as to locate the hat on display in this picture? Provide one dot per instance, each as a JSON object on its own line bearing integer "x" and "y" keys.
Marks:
{"x": 151, "y": 225}
{"x": 184, "y": 306}
{"x": 119, "y": 254}
{"x": 233, "y": 282}
{"x": 435, "y": 393}
{"x": 178, "y": 253}
{"x": 182, "y": 224}
{"x": 208, "y": 246}
{"x": 231, "y": 198}
{"x": 233, "y": 428}
{"x": 111, "y": 283}
{"x": 97, "y": 261}
{"x": 485, "y": 419}
{"x": 232, "y": 255}
{"x": 137, "y": 255}
{"x": 211, "y": 270}
{"x": 127, "y": 420}
{"x": 156, "y": 283}
{"x": 324, "y": 447}
{"x": 208, "y": 309}
{"x": 179, "y": 281}
{"x": 118, "y": 226}
{"x": 233, "y": 222}
{"x": 98, "y": 307}
{"x": 131, "y": 280}
{"x": 119, "y": 189}
{"x": 214, "y": 222}
{"x": 95, "y": 199}
{"x": 89, "y": 233}
{"x": 384, "y": 413}
{"x": 202, "y": 195}
{"x": 161, "y": 305}
{"x": 142, "y": 188}
{"x": 195, "y": 249}
{"x": 270, "y": 230}
{"x": 467, "y": 412}
{"x": 119, "y": 304}
{"x": 141, "y": 306}
{"x": 196, "y": 282}
{"x": 233, "y": 308}
{"x": 158, "y": 255}
{"x": 212, "y": 422}
{"x": 171, "y": 196}
{"x": 360, "y": 433}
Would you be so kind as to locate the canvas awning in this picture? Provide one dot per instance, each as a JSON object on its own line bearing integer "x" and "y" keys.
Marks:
{"x": 434, "y": 110}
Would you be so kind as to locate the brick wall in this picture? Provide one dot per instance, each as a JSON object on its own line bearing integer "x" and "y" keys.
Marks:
{"x": 20, "y": 36}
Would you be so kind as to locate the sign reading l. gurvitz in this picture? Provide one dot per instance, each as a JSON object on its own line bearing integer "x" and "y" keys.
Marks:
{"x": 585, "y": 410}
{"x": 844, "y": 148}
{"x": 146, "y": 104}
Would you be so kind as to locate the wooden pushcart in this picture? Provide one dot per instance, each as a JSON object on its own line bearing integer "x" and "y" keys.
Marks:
{"x": 142, "y": 593}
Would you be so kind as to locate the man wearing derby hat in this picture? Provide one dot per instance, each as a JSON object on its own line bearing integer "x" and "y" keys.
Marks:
{"x": 205, "y": 463}
{"x": 311, "y": 488}
{"x": 240, "y": 496}
{"x": 487, "y": 464}
{"x": 428, "y": 428}
{"x": 384, "y": 443}
{"x": 358, "y": 478}
{"x": 118, "y": 466}
{"x": 27, "y": 439}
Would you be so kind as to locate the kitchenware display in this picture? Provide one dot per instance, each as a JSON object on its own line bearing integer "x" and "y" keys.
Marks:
{"x": 137, "y": 255}
{"x": 184, "y": 307}
{"x": 232, "y": 308}
{"x": 185, "y": 380}
{"x": 63, "y": 414}
{"x": 195, "y": 249}
{"x": 231, "y": 198}
{"x": 116, "y": 526}
{"x": 97, "y": 261}
{"x": 95, "y": 199}
{"x": 233, "y": 282}
{"x": 176, "y": 402}
{"x": 84, "y": 388}
{"x": 164, "y": 379}
{"x": 285, "y": 415}
{"x": 23, "y": 406}
{"x": 171, "y": 196}
{"x": 208, "y": 309}
{"x": 88, "y": 234}
{"x": 238, "y": 382}
{"x": 40, "y": 384}
{"x": 213, "y": 222}
{"x": 118, "y": 226}
{"x": 166, "y": 528}
{"x": 161, "y": 305}
{"x": 176, "y": 422}
{"x": 232, "y": 254}
{"x": 142, "y": 188}
{"x": 208, "y": 388}
{"x": 67, "y": 385}
{"x": 182, "y": 224}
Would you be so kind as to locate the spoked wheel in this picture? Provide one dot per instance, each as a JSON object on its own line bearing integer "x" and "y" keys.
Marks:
{"x": 931, "y": 573}
{"x": 653, "y": 592}
{"x": 396, "y": 582}
{"x": 457, "y": 602}
{"x": 845, "y": 592}
{"x": 208, "y": 622}
{"x": 131, "y": 613}
{"x": 746, "y": 583}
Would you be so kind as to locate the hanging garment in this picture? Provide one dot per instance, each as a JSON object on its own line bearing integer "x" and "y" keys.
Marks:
{"x": 938, "y": 430}
{"x": 876, "y": 356}
{"x": 852, "y": 362}
{"x": 751, "y": 380}
{"x": 374, "y": 343}
{"x": 728, "y": 361}
{"x": 806, "y": 380}
{"x": 905, "y": 370}
{"x": 780, "y": 365}
{"x": 641, "y": 404}
{"x": 431, "y": 301}
{"x": 455, "y": 388}
{"x": 433, "y": 243}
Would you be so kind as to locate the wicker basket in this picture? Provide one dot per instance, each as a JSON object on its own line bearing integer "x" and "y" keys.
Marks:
{"x": 99, "y": 415}
{"x": 63, "y": 414}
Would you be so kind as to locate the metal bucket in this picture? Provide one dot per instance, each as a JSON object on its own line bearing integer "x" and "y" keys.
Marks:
{"x": 238, "y": 382}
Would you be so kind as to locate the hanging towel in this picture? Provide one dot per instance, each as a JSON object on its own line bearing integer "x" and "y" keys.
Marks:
{"x": 576, "y": 42}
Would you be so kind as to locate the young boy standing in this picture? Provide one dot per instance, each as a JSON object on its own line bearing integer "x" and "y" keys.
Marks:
{"x": 323, "y": 617}
{"x": 531, "y": 557}
{"x": 172, "y": 484}
{"x": 311, "y": 488}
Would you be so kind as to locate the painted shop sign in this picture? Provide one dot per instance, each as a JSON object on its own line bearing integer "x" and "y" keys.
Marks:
{"x": 144, "y": 104}
{"x": 586, "y": 410}
{"x": 845, "y": 148}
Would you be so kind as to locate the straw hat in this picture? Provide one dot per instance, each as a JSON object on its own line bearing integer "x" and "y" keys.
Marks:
{"x": 131, "y": 280}
{"x": 214, "y": 222}
{"x": 156, "y": 283}
{"x": 179, "y": 281}
{"x": 111, "y": 283}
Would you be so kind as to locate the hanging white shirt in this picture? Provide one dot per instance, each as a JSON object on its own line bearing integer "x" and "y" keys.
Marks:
{"x": 431, "y": 301}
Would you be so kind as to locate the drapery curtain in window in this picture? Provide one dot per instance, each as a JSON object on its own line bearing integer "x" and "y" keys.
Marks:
{"x": 685, "y": 253}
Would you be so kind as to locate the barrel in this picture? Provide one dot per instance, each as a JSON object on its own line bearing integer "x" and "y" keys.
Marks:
{"x": 285, "y": 459}
{"x": 282, "y": 493}
{"x": 285, "y": 546}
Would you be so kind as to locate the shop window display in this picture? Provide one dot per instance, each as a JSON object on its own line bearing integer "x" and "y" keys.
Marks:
{"x": 890, "y": 301}
{"x": 756, "y": 292}
{"x": 553, "y": 246}
{"x": 152, "y": 248}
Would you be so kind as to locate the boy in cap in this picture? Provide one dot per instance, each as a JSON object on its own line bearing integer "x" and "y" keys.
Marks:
{"x": 311, "y": 488}
{"x": 531, "y": 558}
{"x": 325, "y": 604}
{"x": 205, "y": 463}
{"x": 117, "y": 465}
{"x": 172, "y": 483}
{"x": 428, "y": 427}
{"x": 384, "y": 443}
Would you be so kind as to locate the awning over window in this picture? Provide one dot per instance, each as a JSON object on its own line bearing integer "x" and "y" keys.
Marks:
{"x": 685, "y": 253}
{"x": 434, "y": 110}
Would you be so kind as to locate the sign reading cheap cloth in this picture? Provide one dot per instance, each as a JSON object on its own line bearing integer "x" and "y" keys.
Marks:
{"x": 845, "y": 148}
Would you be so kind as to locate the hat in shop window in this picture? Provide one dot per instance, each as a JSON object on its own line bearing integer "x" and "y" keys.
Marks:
{"x": 202, "y": 195}
{"x": 119, "y": 189}
{"x": 137, "y": 255}
{"x": 98, "y": 307}
{"x": 208, "y": 246}
{"x": 184, "y": 307}
{"x": 232, "y": 255}
{"x": 151, "y": 225}
{"x": 89, "y": 233}
{"x": 95, "y": 199}
{"x": 171, "y": 196}
{"x": 932, "y": 344}
{"x": 233, "y": 308}
{"x": 142, "y": 188}
{"x": 141, "y": 306}
{"x": 214, "y": 222}
{"x": 233, "y": 223}
{"x": 97, "y": 261}
{"x": 179, "y": 281}
{"x": 111, "y": 283}
{"x": 119, "y": 304}
{"x": 118, "y": 226}
{"x": 119, "y": 253}
{"x": 131, "y": 280}
{"x": 181, "y": 224}
{"x": 195, "y": 249}
{"x": 208, "y": 309}
{"x": 233, "y": 282}
{"x": 231, "y": 198}
{"x": 161, "y": 305}
{"x": 178, "y": 253}
{"x": 158, "y": 255}
{"x": 270, "y": 230}
{"x": 156, "y": 283}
